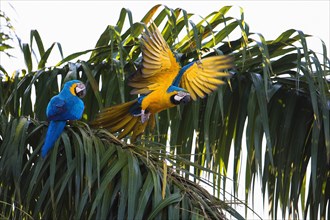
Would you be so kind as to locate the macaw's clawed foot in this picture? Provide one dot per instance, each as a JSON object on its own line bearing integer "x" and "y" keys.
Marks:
{"x": 144, "y": 116}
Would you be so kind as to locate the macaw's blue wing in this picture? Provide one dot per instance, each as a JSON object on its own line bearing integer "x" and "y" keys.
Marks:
{"x": 54, "y": 131}
{"x": 56, "y": 108}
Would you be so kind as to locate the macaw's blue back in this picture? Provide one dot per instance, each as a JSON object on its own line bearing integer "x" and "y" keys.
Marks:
{"x": 54, "y": 131}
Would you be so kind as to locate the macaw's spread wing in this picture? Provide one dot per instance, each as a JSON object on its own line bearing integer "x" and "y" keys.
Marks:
{"x": 56, "y": 108}
{"x": 159, "y": 65}
{"x": 202, "y": 77}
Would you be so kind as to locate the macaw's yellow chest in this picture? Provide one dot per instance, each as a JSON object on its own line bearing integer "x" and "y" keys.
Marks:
{"x": 157, "y": 101}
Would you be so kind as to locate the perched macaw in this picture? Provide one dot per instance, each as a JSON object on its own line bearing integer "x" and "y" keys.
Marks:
{"x": 162, "y": 84}
{"x": 67, "y": 105}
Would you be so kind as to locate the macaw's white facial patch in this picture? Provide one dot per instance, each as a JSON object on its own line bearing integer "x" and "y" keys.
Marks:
{"x": 181, "y": 95}
{"x": 80, "y": 90}
{"x": 180, "y": 98}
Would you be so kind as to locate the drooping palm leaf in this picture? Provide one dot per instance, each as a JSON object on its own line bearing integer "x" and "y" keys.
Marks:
{"x": 90, "y": 174}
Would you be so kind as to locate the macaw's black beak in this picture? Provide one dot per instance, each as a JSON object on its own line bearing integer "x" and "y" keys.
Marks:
{"x": 186, "y": 99}
{"x": 80, "y": 90}
{"x": 181, "y": 97}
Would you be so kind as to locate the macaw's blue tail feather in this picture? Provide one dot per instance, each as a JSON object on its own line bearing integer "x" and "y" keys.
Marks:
{"x": 54, "y": 131}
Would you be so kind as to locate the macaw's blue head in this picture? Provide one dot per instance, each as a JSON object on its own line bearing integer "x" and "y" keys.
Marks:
{"x": 76, "y": 88}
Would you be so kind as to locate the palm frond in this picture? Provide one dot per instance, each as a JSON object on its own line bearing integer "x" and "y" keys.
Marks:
{"x": 90, "y": 174}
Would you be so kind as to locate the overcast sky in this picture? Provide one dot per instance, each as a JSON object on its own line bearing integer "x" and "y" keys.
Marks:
{"x": 77, "y": 25}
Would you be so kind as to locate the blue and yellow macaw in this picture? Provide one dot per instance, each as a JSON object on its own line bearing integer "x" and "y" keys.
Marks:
{"x": 162, "y": 84}
{"x": 67, "y": 105}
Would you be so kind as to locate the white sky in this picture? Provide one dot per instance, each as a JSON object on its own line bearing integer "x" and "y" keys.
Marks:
{"x": 77, "y": 25}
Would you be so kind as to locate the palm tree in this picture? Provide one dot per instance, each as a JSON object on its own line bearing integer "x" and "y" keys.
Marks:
{"x": 277, "y": 100}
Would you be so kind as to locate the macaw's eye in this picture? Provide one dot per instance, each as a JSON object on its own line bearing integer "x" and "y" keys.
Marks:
{"x": 80, "y": 90}
{"x": 181, "y": 97}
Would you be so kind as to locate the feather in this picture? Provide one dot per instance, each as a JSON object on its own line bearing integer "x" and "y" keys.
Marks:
{"x": 54, "y": 131}
{"x": 203, "y": 85}
{"x": 191, "y": 90}
{"x": 148, "y": 56}
{"x": 148, "y": 72}
{"x": 140, "y": 91}
{"x": 147, "y": 48}
{"x": 138, "y": 129}
{"x": 121, "y": 123}
{"x": 152, "y": 65}
{"x": 196, "y": 89}
{"x": 129, "y": 127}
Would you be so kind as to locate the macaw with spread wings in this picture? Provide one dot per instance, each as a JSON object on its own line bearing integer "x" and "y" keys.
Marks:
{"x": 162, "y": 84}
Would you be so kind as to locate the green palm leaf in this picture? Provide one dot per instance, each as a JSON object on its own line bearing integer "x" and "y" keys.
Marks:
{"x": 90, "y": 175}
